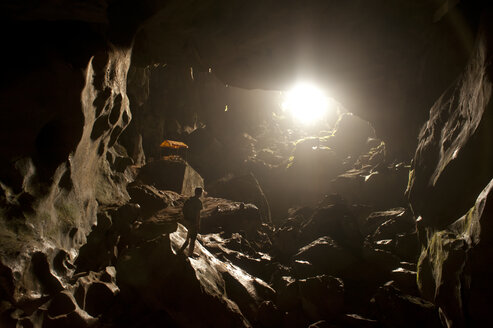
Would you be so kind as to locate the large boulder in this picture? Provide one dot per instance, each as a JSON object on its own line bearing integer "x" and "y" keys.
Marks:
{"x": 171, "y": 173}
{"x": 381, "y": 187}
{"x": 336, "y": 221}
{"x": 245, "y": 188}
{"x": 150, "y": 198}
{"x": 326, "y": 256}
{"x": 351, "y": 135}
{"x": 223, "y": 215}
{"x": 168, "y": 282}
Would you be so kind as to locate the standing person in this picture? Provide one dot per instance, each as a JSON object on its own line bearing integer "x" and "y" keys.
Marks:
{"x": 191, "y": 212}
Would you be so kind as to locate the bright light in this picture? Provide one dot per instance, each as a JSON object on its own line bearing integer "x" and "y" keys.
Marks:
{"x": 306, "y": 103}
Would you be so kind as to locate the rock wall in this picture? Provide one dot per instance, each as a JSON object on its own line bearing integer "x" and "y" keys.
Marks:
{"x": 449, "y": 191}
{"x": 64, "y": 105}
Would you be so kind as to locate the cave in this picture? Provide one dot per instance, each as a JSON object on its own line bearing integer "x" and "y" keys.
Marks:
{"x": 339, "y": 154}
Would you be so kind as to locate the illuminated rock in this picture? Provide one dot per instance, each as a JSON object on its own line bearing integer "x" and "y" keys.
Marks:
{"x": 171, "y": 174}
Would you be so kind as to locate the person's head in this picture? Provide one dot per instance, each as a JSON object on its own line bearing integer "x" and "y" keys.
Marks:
{"x": 198, "y": 191}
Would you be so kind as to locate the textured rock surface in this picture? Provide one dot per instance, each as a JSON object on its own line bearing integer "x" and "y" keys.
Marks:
{"x": 454, "y": 144}
{"x": 171, "y": 174}
{"x": 451, "y": 269}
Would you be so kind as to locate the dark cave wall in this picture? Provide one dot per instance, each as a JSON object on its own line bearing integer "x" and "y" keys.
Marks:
{"x": 64, "y": 105}
{"x": 450, "y": 192}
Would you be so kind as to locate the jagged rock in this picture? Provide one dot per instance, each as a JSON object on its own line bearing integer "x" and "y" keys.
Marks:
{"x": 62, "y": 303}
{"x": 357, "y": 321}
{"x": 97, "y": 253}
{"x": 41, "y": 269}
{"x": 400, "y": 224}
{"x": 380, "y": 263}
{"x": 321, "y": 324}
{"x": 322, "y": 297}
{"x": 168, "y": 282}
{"x": 285, "y": 242}
{"x": 375, "y": 219}
{"x": 351, "y": 135}
{"x": 171, "y": 173}
{"x": 326, "y": 256}
{"x": 242, "y": 189}
{"x": 151, "y": 199}
{"x": 238, "y": 251}
{"x": 408, "y": 247}
{"x": 269, "y": 315}
{"x": 319, "y": 297}
{"x": 223, "y": 215}
{"x": 452, "y": 271}
{"x": 335, "y": 221}
{"x": 391, "y": 307}
{"x": 208, "y": 153}
{"x": 453, "y": 142}
{"x": 393, "y": 231}
{"x": 95, "y": 292}
{"x": 405, "y": 280}
{"x": 307, "y": 180}
{"x": 380, "y": 187}
{"x": 157, "y": 225}
{"x": 63, "y": 311}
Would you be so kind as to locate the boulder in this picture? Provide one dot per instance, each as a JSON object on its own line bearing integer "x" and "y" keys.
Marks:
{"x": 322, "y": 297}
{"x": 375, "y": 219}
{"x": 351, "y": 135}
{"x": 151, "y": 272}
{"x": 335, "y": 221}
{"x": 326, "y": 256}
{"x": 405, "y": 280}
{"x": 393, "y": 231}
{"x": 223, "y": 215}
{"x": 394, "y": 309}
{"x": 171, "y": 173}
{"x": 306, "y": 180}
{"x": 380, "y": 187}
{"x": 243, "y": 188}
{"x": 150, "y": 198}
{"x": 400, "y": 224}
{"x": 207, "y": 153}
{"x": 240, "y": 252}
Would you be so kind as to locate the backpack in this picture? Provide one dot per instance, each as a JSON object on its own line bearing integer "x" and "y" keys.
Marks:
{"x": 187, "y": 209}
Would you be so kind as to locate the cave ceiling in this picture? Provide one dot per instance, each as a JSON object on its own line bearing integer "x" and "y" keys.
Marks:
{"x": 387, "y": 61}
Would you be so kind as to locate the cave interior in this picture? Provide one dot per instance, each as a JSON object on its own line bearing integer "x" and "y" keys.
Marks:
{"x": 344, "y": 149}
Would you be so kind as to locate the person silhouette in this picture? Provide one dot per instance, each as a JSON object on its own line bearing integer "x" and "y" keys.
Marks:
{"x": 191, "y": 213}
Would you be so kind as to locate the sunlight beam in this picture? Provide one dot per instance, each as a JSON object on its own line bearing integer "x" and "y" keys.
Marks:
{"x": 306, "y": 103}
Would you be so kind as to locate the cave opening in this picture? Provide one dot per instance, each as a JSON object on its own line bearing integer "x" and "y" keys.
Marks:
{"x": 337, "y": 156}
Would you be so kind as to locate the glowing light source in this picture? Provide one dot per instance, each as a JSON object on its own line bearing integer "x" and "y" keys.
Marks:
{"x": 306, "y": 103}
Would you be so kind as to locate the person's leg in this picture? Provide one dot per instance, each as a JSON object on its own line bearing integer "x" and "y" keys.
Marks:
{"x": 182, "y": 248}
{"x": 193, "y": 237}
